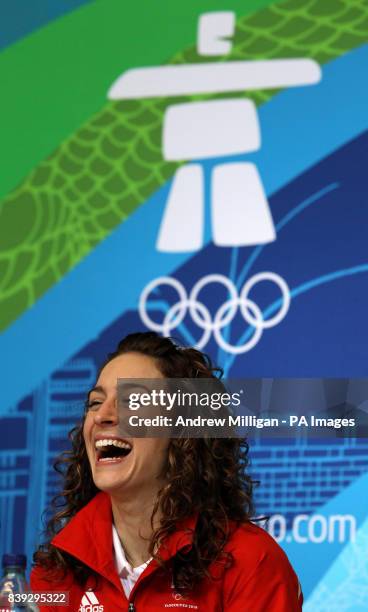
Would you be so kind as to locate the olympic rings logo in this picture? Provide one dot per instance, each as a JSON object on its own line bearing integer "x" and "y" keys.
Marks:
{"x": 200, "y": 314}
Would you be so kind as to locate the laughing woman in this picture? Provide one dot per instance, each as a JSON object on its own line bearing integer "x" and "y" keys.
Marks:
{"x": 158, "y": 523}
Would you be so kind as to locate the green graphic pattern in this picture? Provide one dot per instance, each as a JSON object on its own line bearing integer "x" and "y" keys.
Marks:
{"x": 97, "y": 177}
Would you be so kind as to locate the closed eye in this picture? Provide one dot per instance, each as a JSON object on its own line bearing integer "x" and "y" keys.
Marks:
{"x": 93, "y": 404}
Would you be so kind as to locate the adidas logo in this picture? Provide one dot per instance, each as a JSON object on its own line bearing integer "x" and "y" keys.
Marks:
{"x": 90, "y": 603}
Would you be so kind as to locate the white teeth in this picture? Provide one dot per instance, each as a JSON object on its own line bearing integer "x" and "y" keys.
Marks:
{"x": 107, "y": 459}
{"x": 109, "y": 442}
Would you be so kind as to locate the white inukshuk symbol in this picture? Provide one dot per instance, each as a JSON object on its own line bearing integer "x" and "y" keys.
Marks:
{"x": 200, "y": 314}
{"x": 208, "y": 129}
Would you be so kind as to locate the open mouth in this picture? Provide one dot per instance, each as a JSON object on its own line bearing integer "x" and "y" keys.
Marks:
{"x": 108, "y": 451}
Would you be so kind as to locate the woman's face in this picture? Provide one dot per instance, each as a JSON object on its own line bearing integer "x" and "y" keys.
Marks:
{"x": 140, "y": 469}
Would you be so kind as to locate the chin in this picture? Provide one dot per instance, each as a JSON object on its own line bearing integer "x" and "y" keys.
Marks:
{"x": 108, "y": 484}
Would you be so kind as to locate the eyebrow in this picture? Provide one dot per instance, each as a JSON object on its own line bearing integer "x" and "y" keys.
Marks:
{"x": 98, "y": 389}
{"x": 128, "y": 386}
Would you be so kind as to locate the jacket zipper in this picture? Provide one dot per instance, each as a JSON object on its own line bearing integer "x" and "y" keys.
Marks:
{"x": 131, "y": 607}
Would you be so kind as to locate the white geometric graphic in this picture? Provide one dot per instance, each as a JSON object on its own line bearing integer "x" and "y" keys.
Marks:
{"x": 189, "y": 129}
{"x": 201, "y": 315}
{"x": 89, "y": 598}
{"x": 205, "y": 130}
{"x": 186, "y": 200}
{"x": 213, "y": 29}
{"x": 219, "y": 77}
{"x": 240, "y": 215}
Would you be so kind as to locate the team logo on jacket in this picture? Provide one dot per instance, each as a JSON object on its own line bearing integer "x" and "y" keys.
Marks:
{"x": 90, "y": 603}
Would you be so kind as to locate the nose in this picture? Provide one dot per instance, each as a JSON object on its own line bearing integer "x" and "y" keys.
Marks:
{"x": 107, "y": 414}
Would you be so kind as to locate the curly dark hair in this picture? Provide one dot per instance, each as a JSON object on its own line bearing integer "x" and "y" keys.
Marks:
{"x": 205, "y": 476}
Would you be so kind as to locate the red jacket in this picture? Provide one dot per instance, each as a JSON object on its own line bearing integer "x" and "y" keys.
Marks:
{"x": 261, "y": 578}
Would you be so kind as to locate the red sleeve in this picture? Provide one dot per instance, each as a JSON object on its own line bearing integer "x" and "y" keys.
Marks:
{"x": 262, "y": 580}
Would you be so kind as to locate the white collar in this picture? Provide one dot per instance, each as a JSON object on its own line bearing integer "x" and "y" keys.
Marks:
{"x": 123, "y": 566}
